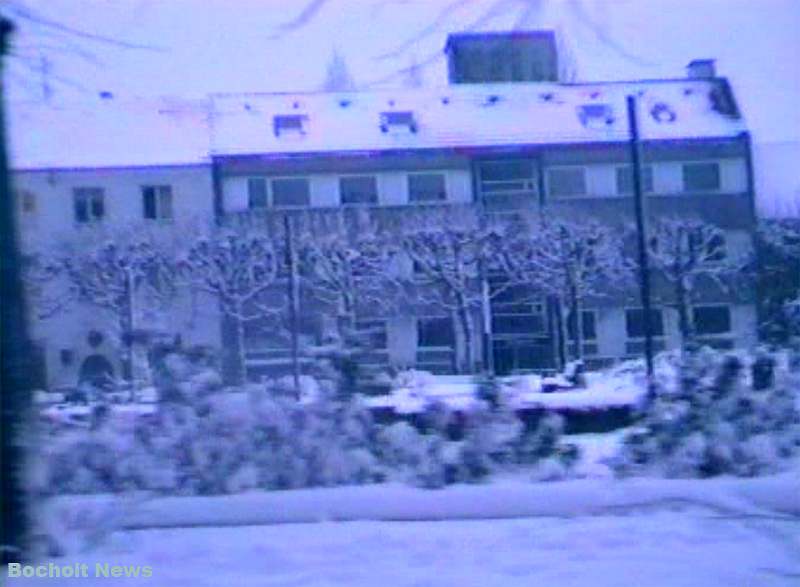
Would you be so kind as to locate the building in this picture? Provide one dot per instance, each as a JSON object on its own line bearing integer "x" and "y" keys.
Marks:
{"x": 511, "y": 132}
{"x": 98, "y": 171}
{"x": 507, "y": 139}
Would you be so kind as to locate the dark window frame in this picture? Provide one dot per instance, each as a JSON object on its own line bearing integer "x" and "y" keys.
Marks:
{"x": 443, "y": 191}
{"x": 566, "y": 193}
{"x": 588, "y": 325}
{"x": 439, "y": 329}
{"x": 690, "y": 168}
{"x": 88, "y": 204}
{"x": 624, "y": 174}
{"x": 287, "y": 180}
{"x": 374, "y": 195}
{"x": 289, "y": 123}
{"x": 257, "y": 193}
{"x": 157, "y": 202}
{"x": 659, "y": 330}
{"x": 727, "y": 320}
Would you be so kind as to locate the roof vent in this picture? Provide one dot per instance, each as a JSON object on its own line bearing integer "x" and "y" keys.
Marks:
{"x": 291, "y": 124}
{"x": 491, "y": 100}
{"x": 344, "y": 102}
{"x": 701, "y": 69}
{"x": 398, "y": 120}
{"x": 596, "y": 115}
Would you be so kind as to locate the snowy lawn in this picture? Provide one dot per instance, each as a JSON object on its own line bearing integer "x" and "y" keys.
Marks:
{"x": 665, "y": 546}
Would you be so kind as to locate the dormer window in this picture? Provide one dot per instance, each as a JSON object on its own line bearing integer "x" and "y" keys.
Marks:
{"x": 289, "y": 124}
{"x": 596, "y": 115}
{"x": 398, "y": 120}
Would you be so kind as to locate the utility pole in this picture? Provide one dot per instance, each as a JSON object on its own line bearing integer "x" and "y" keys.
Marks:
{"x": 294, "y": 300}
{"x": 641, "y": 234}
{"x": 15, "y": 355}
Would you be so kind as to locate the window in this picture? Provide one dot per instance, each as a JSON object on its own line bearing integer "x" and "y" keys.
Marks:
{"x": 289, "y": 124}
{"x": 372, "y": 333}
{"x": 435, "y": 332}
{"x": 596, "y": 115}
{"x": 67, "y": 357}
{"x": 358, "y": 189}
{"x": 398, "y": 121}
{"x": 157, "y": 202}
{"x": 589, "y": 319}
{"x": 27, "y": 202}
{"x": 701, "y": 177}
{"x": 427, "y": 187}
{"x": 566, "y": 181}
{"x": 507, "y": 184}
{"x": 290, "y": 192}
{"x": 711, "y": 319}
{"x": 708, "y": 247}
{"x": 257, "y": 193}
{"x": 625, "y": 179}
{"x": 89, "y": 204}
{"x": 634, "y": 322}
{"x": 589, "y": 336}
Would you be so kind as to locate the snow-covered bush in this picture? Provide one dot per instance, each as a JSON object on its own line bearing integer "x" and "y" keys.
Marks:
{"x": 224, "y": 441}
{"x": 725, "y": 415}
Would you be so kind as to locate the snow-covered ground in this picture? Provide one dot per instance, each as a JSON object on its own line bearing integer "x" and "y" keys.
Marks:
{"x": 666, "y": 546}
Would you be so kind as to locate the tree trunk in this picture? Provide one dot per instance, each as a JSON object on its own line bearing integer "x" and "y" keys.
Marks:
{"x": 681, "y": 303}
{"x": 241, "y": 354}
{"x": 575, "y": 304}
{"x": 466, "y": 328}
{"x": 561, "y": 329}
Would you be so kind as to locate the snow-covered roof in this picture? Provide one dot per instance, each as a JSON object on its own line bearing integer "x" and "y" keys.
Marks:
{"x": 470, "y": 115}
{"x": 108, "y": 133}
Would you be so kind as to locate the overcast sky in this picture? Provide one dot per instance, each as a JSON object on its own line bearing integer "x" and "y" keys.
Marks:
{"x": 201, "y": 46}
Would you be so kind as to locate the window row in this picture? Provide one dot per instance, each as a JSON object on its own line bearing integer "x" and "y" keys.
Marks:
{"x": 708, "y": 321}
{"x": 499, "y": 179}
{"x": 89, "y": 203}
{"x": 281, "y": 192}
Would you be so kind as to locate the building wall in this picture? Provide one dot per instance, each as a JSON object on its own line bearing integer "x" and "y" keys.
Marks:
{"x": 51, "y": 226}
{"x": 730, "y": 207}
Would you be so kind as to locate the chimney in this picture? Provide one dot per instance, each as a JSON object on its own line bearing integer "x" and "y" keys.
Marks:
{"x": 701, "y": 69}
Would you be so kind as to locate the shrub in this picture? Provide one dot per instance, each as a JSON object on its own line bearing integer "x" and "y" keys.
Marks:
{"x": 727, "y": 414}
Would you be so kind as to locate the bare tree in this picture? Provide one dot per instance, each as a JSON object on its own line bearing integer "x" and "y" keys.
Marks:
{"x": 348, "y": 265}
{"x": 570, "y": 261}
{"x": 238, "y": 269}
{"x": 452, "y": 252}
{"x": 779, "y": 278}
{"x": 685, "y": 251}
{"x": 473, "y": 15}
{"x": 119, "y": 275}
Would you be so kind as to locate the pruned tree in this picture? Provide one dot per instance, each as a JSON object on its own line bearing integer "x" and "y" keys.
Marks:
{"x": 686, "y": 251}
{"x": 570, "y": 261}
{"x": 452, "y": 252}
{"x": 779, "y": 279}
{"x": 238, "y": 269}
{"x": 347, "y": 264}
{"x": 121, "y": 275}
